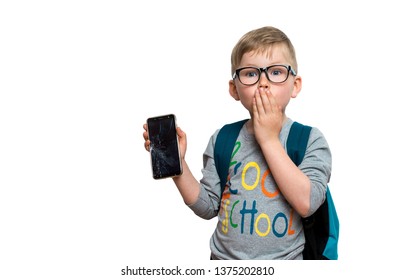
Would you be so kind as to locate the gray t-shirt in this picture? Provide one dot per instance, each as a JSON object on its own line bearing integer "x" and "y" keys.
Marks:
{"x": 254, "y": 219}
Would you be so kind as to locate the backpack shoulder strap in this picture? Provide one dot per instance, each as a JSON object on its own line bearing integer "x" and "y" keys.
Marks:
{"x": 223, "y": 148}
{"x": 297, "y": 142}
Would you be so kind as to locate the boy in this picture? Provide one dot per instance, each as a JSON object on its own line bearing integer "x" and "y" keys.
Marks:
{"x": 260, "y": 210}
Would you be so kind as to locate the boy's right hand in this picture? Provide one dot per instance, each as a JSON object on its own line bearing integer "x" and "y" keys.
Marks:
{"x": 182, "y": 140}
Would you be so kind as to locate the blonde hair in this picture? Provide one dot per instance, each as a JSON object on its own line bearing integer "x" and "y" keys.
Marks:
{"x": 263, "y": 40}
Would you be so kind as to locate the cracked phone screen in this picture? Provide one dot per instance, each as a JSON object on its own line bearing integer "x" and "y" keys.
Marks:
{"x": 165, "y": 157}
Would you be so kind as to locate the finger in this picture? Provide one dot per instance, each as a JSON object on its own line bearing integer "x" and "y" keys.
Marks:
{"x": 145, "y": 135}
{"x": 273, "y": 102}
{"x": 267, "y": 105}
{"x": 147, "y": 145}
{"x": 254, "y": 107}
{"x": 259, "y": 103}
{"x": 181, "y": 134}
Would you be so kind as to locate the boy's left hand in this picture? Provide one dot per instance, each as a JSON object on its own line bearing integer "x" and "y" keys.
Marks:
{"x": 267, "y": 116}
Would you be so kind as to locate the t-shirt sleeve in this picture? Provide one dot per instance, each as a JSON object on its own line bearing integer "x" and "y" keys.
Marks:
{"x": 207, "y": 205}
{"x": 317, "y": 165}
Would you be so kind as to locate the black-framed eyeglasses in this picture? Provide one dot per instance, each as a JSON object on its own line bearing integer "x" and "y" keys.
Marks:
{"x": 275, "y": 73}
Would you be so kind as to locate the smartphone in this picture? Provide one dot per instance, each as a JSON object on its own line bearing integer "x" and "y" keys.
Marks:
{"x": 164, "y": 149}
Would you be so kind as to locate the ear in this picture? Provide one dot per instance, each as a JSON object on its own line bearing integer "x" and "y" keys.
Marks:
{"x": 297, "y": 86}
{"x": 233, "y": 90}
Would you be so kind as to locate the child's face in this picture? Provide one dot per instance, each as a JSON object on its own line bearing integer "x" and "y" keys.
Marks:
{"x": 282, "y": 92}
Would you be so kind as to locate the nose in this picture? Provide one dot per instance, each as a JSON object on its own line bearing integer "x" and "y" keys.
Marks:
{"x": 263, "y": 81}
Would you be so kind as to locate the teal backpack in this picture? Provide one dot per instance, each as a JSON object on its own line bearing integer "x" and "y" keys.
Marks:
{"x": 322, "y": 228}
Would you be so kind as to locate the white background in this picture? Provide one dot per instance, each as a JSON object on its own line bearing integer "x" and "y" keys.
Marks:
{"x": 78, "y": 79}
